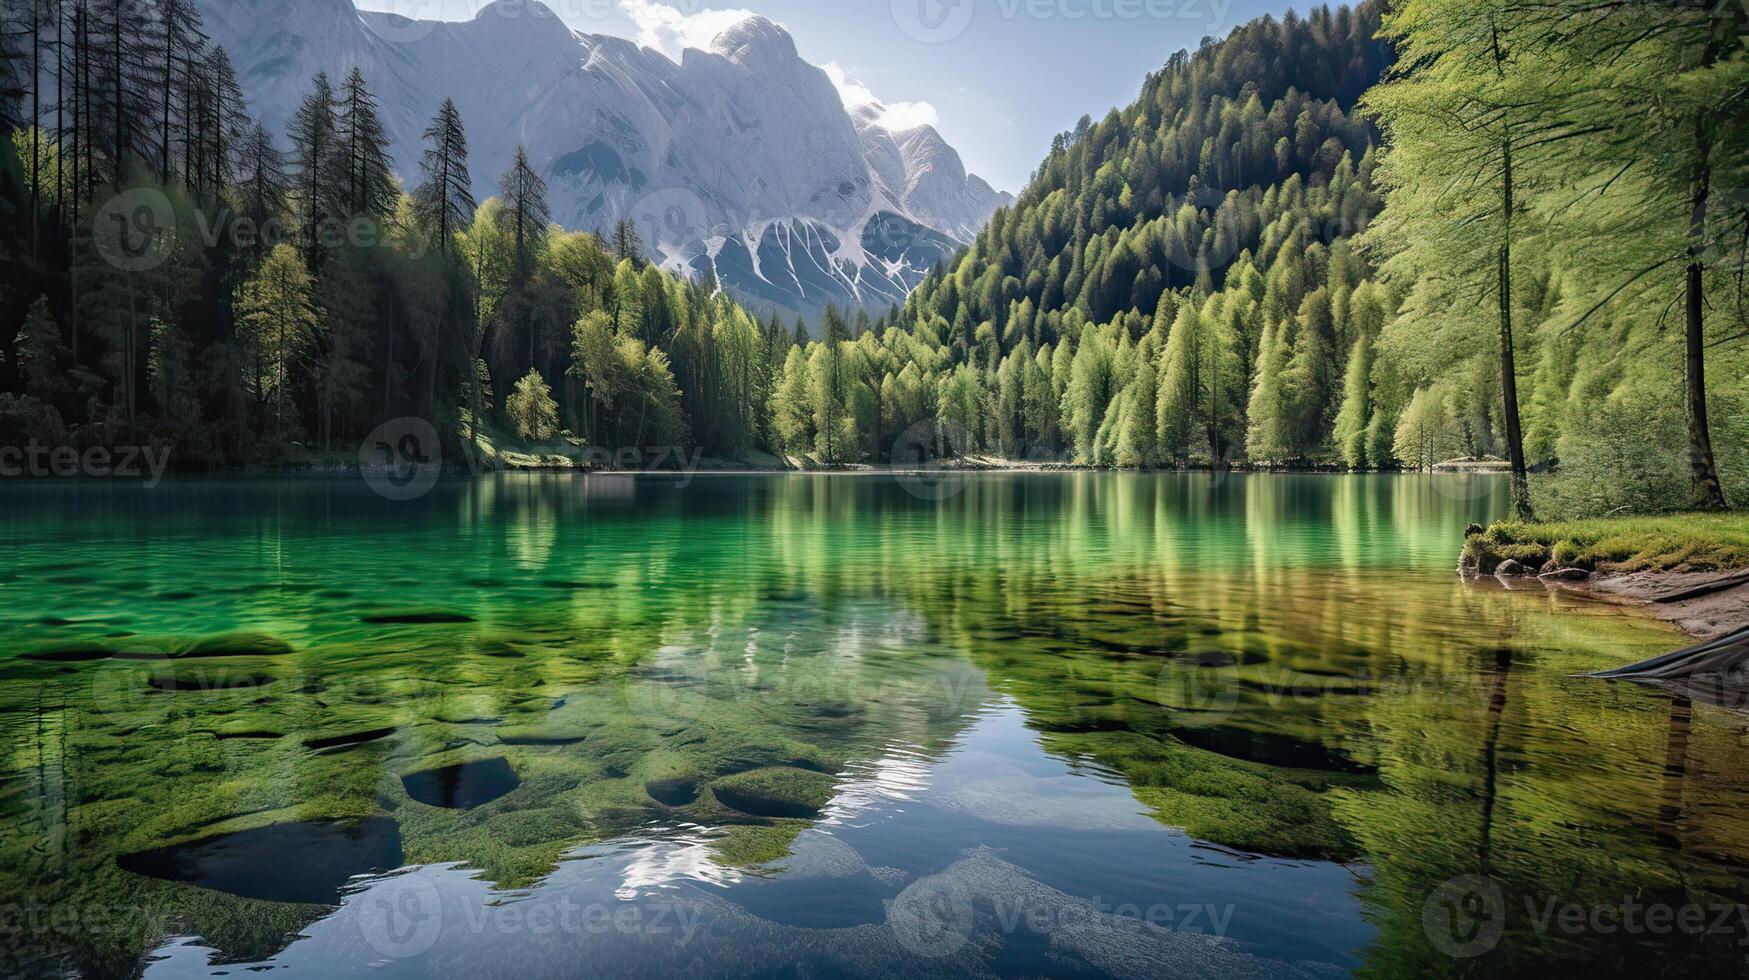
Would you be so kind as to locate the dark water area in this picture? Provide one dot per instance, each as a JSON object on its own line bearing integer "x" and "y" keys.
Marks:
{"x": 1003, "y": 725}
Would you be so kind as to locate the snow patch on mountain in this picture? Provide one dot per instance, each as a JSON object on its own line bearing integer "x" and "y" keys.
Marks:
{"x": 738, "y": 158}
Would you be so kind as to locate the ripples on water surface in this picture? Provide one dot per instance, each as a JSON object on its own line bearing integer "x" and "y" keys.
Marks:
{"x": 1075, "y": 724}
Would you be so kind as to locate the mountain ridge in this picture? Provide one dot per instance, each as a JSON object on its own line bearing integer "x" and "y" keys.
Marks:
{"x": 729, "y": 159}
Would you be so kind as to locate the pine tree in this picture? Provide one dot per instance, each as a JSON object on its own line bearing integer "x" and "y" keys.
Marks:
{"x": 316, "y": 160}
{"x": 525, "y": 215}
{"x": 263, "y": 185}
{"x": 445, "y": 202}
{"x": 278, "y": 323}
{"x": 532, "y": 411}
{"x": 1463, "y": 108}
{"x": 1357, "y": 408}
{"x": 38, "y": 353}
{"x": 1268, "y": 440}
{"x": 1180, "y": 401}
{"x": 170, "y": 370}
{"x": 369, "y": 189}
{"x": 627, "y": 244}
{"x": 792, "y": 415}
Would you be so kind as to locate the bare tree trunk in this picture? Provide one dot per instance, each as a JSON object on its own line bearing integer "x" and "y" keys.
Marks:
{"x": 169, "y": 67}
{"x": 60, "y": 111}
{"x": 120, "y": 112}
{"x": 1508, "y": 356}
{"x": 1709, "y": 493}
{"x": 36, "y": 114}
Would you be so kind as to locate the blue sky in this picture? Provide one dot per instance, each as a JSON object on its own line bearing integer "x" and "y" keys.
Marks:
{"x": 997, "y": 77}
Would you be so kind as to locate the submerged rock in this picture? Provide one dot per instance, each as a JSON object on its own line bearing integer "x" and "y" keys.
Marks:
{"x": 205, "y": 681}
{"x": 418, "y": 617}
{"x": 348, "y": 740}
{"x": 464, "y": 786}
{"x": 72, "y": 653}
{"x": 672, "y": 792}
{"x": 234, "y": 645}
{"x": 304, "y": 863}
{"x": 779, "y": 792}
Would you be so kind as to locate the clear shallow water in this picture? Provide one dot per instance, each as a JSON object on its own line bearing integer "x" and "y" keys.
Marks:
{"x": 1063, "y": 724}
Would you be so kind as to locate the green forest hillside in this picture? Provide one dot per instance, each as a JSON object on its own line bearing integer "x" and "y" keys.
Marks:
{"x": 1240, "y": 266}
{"x": 174, "y": 278}
{"x": 1348, "y": 239}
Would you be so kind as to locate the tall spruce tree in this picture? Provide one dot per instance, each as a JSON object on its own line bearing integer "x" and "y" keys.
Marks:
{"x": 369, "y": 190}
{"x": 445, "y": 201}
{"x": 314, "y": 135}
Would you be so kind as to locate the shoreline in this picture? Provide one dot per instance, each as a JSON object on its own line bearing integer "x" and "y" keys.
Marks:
{"x": 1660, "y": 567}
{"x": 719, "y": 467}
{"x": 1703, "y": 605}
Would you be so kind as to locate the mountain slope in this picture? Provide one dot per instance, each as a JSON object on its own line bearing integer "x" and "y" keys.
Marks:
{"x": 740, "y": 160}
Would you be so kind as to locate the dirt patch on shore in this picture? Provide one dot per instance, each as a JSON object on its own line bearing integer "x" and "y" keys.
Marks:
{"x": 1705, "y": 605}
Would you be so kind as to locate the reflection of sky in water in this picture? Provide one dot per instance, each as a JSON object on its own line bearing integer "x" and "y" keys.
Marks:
{"x": 882, "y": 882}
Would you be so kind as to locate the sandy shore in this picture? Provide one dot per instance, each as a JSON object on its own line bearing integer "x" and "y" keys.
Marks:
{"x": 1705, "y": 605}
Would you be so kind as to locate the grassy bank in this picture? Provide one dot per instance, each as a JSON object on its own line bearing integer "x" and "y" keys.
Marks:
{"x": 1675, "y": 542}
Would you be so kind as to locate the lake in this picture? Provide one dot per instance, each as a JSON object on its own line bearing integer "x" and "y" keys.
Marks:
{"x": 1068, "y": 724}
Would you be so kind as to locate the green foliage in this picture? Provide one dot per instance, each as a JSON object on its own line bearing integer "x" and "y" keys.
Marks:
{"x": 1674, "y": 542}
{"x": 1236, "y": 266}
{"x": 278, "y": 326}
{"x": 1616, "y": 459}
{"x": 532, "y": 411}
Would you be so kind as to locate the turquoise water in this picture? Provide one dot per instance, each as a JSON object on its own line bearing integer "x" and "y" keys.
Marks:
{"x": 1064, "y": 724}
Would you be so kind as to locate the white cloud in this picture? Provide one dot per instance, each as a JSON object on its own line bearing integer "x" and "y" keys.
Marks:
{"x": 893, "y": 116}
{"x": 666, "y": 29}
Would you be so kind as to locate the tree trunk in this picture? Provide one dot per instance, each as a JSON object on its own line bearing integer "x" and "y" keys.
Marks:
{"x": 1508, "y": 356}
{"x": 36, "y": 113}
{"x": 169, "y": 75}
{"x": 120, "y": 111}
{"x": 1709, "y": 493}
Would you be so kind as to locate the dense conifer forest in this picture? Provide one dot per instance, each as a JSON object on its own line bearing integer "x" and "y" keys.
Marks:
{"x": 1373, "y": 238}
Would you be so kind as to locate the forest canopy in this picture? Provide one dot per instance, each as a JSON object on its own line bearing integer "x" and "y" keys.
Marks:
{"x": 1353, "y": 239}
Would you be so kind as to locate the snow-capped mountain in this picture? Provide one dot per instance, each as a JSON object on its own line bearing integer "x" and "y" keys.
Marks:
{"x": 741, "y": 159}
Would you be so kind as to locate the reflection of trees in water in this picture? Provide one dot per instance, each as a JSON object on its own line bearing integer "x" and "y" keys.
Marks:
{"x": 818, "y": 619}
{"x": 1669, "y": 823}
